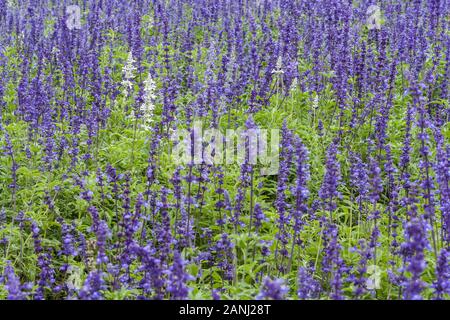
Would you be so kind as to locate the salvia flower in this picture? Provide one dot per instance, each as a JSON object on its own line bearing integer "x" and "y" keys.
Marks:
{"x": 272, "y": 289}
{"x": 148, "y": 106}
{"x": 178, "y": 278}
{"x": 128, "y": 74}
{"x": 12, "y": 284}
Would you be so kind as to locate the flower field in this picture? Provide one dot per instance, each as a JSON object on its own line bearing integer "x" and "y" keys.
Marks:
{"x": 224, "y": 149}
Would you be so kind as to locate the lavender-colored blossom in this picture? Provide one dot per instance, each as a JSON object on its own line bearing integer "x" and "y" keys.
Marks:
{"x": 12, "y": 284}
{"x": 178, "y": 278}
{"x": 308, "y": 287}
{"x": 329, "y": 190}
{"x": 272, "y": 289}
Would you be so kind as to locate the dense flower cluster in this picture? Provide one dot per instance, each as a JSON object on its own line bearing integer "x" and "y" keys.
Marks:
{"x": 95, "y": 203}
